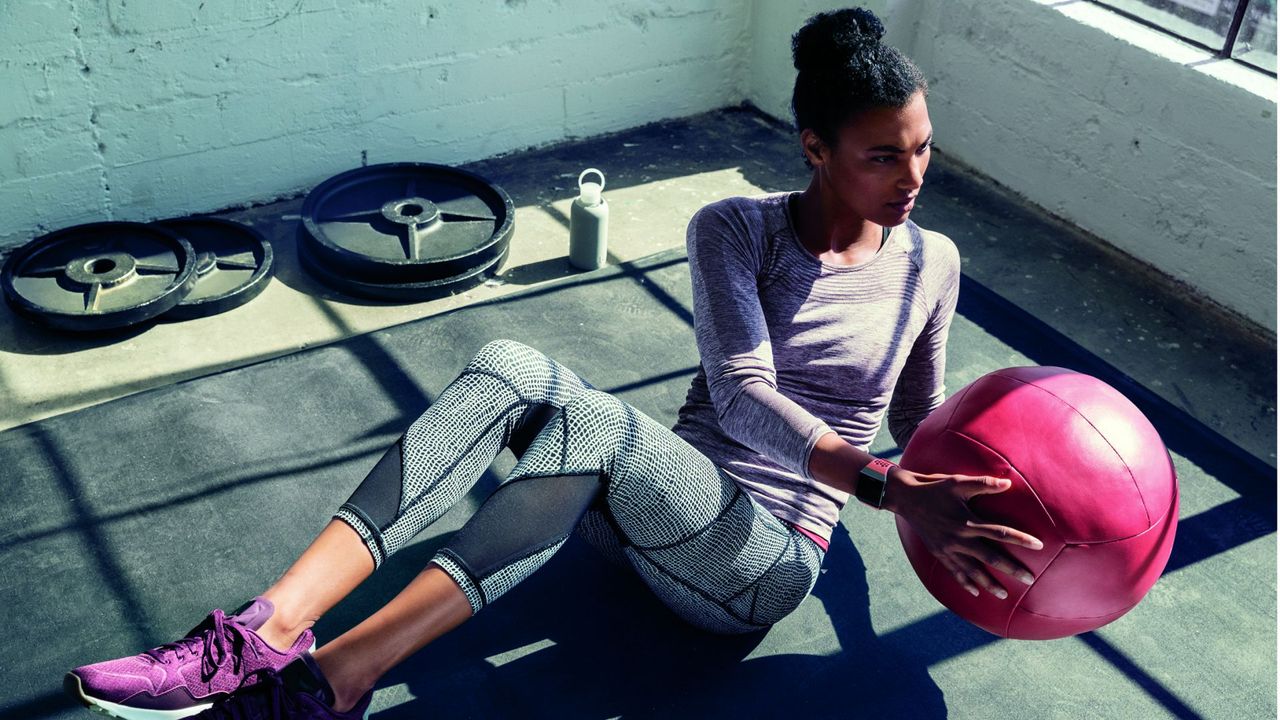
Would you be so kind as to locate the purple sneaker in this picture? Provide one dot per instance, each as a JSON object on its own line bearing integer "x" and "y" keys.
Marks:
{"x": 182, "y": 678}
{"x": 297, "y": 692}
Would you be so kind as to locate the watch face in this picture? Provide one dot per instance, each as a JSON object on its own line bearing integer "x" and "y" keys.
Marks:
{"x": 870, "y": 487}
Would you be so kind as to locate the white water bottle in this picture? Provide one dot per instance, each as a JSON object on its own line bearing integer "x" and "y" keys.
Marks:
{"x": 589, "y": 224}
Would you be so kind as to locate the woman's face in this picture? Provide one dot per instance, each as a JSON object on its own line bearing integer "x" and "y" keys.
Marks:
{"x": 877, "y": 166}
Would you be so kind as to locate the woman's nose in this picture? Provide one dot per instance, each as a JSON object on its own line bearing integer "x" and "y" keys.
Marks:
{"x": 914, "y": 176}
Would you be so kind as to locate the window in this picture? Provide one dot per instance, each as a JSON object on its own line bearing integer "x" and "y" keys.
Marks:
{"x": 1241, "y": 29}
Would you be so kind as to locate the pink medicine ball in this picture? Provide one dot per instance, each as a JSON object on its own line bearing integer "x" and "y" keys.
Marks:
{"x": 1091, "y": 479}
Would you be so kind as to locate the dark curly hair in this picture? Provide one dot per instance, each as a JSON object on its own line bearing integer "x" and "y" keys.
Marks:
{"x": 843, "y": 69}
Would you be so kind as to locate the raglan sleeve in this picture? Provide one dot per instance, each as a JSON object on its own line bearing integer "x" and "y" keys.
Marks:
{"x": 920, "y": 388}
{"x": 726, "y": 251}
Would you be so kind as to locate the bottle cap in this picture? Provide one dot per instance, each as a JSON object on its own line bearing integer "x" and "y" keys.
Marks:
{"x": 589, "y": 192}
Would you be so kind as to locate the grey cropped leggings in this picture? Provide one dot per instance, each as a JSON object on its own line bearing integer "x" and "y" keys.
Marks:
{"x": 641, "y": 495}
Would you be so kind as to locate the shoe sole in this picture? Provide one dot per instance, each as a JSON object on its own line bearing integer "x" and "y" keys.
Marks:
{"x": 72, "y": 686}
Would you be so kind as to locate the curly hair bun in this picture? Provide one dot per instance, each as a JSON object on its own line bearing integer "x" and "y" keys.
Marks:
{"x": 832, "y": 39}
{"x": 845, "y": 69}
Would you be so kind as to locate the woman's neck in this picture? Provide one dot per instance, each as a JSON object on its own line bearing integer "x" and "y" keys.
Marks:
{"x": 831, "y": 231}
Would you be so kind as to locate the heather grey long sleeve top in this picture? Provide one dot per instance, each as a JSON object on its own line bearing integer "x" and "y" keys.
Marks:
{"x": 793, "y": 348}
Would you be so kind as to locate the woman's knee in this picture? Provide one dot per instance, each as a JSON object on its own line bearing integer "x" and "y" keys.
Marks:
{"x": 597, "y": 409}
{"x": 501, "y": 357}
{"x": 595, "y": 428}
{"x": 528, "y": 372}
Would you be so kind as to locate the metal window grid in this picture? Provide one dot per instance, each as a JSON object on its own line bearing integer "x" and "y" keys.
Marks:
{"x": 1224, "y": 52}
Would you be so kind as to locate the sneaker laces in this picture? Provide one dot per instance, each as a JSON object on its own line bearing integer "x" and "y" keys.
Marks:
{"x": 218, "y": 638}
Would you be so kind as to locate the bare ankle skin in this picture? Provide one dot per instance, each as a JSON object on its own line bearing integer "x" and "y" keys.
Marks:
{"x": 335, "y": 563}
{"x": 347, "y": 687}
{"x": 431, "y": 605}
{"x": 281, "y": 631}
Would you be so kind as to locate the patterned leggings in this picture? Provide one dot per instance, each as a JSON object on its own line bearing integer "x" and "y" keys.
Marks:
{"x": 633, "y": 489}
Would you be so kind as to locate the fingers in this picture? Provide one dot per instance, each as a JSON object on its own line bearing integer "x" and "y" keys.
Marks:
{"x": 1004, "y": 534}
{"x": 972, "y": 552}
{"x": 980, "y": 485}
{"x": 972, "y": 576}
{"x": 959, "y": 573}
{"x": 968, "y": 565}
{"x": 979, "y": 575}
{"x": 1000, "y": 533}
{"x": 1000, "y": 561}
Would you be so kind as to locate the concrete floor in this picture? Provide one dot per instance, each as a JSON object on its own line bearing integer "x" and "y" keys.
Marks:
{"x": 1061, "y": 283}
{"x": 1203, "y": 361}
{"x": 45, "y": 374}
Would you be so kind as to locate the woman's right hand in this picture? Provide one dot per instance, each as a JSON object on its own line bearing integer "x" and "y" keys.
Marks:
{"x": 937, "y": 508}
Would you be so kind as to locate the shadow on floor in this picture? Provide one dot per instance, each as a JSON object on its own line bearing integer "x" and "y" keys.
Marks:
{"x": 607, "y": 648}
{"x": 590, "y": 639}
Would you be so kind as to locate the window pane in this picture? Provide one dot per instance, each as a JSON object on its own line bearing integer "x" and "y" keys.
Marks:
{"x": 1205, "y": 21}
{"x": 1257, "y": 40}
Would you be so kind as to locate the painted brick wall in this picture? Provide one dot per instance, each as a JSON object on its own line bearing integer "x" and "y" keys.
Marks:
{"x": 138, "y": 109}
{"x": 1171, "y": 164}
{"x": 1129, "y": 135}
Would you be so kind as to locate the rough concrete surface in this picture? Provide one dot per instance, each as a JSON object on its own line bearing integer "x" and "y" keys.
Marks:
{"x": 1199, "y": 358}
{"x": 133, "y": 517}
{"x": 145, "y": 109}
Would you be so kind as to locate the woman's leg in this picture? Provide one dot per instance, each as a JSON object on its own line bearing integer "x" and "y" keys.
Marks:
{"x": 501, "y": 398}
{"x": 711, "y": 553}
{"x": 339, "y": 556}
{"x": 513, "y": 533}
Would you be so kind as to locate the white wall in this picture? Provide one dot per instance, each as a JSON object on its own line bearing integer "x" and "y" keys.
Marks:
{"x": 138, "y": 109}
{"x": 1171, "y": 164}
{"x": 1114, "y": 127}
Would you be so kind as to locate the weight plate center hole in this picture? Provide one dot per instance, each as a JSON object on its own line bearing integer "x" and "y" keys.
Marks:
{"x": 411, "y": 211}
{"x": 107, "y": 269}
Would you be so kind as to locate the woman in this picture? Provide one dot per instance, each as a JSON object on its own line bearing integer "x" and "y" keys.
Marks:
{"x": 815, "y": 313}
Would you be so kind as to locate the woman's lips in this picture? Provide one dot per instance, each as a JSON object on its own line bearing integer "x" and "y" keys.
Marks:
{"x": 905, "y": 205}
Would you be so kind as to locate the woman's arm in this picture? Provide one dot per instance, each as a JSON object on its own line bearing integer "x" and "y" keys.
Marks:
{"x": 733, "y": 342}
{"x": 936, "y": 506}
{"x": 920, "y": 388}
{"x": 938, "y": 510}
{"x": 725, "y": 260}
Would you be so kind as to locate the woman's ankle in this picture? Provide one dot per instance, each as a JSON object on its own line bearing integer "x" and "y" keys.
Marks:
{"x": 344, "y": 699}
{"x": 285, "y": 625}
{"x": 348, "y": 687}
{"x": 332, "y": 566}
{"x": 282, "y": 636}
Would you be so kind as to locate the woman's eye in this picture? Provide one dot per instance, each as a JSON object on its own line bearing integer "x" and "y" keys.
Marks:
{"x": 924, "y": 148}
{"x": 883, "y": 159}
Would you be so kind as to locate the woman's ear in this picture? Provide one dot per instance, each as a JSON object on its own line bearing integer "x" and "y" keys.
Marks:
{"x": 814, "y": 149}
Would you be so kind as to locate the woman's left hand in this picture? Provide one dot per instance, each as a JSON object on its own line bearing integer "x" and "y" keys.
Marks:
{"x": 937, "y": 507}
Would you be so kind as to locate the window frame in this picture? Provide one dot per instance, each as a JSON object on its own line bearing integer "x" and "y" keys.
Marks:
{"x": 1223, "y": 53}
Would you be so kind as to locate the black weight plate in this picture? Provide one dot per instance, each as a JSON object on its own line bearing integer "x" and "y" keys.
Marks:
{"x": 99, "y": 276}
{"x": 398, "y": 292}
{"x": 406, "y": 222}
{"x": 234, "y": 264}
